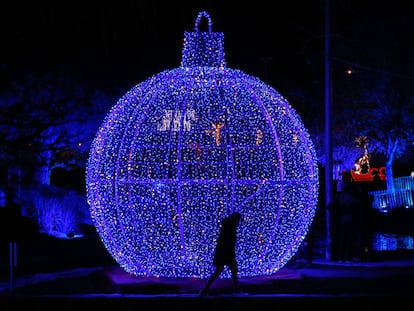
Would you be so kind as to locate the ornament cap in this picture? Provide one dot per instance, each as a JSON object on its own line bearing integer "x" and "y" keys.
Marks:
{"x": 203, "y": 48}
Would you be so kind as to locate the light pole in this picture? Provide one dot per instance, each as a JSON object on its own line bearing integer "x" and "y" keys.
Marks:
{"x": 328, "y": 126}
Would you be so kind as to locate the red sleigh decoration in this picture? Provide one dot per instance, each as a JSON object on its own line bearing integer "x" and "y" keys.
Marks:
{"x": 374, "y": 174}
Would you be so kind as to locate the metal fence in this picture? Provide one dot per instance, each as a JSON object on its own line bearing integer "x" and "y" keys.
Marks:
{"x": 401, "y": 197}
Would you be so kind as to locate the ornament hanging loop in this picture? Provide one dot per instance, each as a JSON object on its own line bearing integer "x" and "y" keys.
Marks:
{"x": 198, "y": 20}
{"x": 202, "y": 48}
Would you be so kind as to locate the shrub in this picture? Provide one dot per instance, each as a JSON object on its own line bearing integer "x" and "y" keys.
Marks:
{"x": 58, "y": 212}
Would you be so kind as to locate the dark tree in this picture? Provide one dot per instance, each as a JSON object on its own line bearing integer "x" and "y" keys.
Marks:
{"x": 43, "y": 113}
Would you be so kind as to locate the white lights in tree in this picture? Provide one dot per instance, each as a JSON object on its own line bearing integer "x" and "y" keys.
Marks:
{"x": 188, "y": 146}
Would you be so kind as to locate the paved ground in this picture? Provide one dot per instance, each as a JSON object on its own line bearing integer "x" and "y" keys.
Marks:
{"x": 65, "y": 274}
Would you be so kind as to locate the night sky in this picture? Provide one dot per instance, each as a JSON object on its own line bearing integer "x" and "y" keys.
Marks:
{"x": 282, "y": 42}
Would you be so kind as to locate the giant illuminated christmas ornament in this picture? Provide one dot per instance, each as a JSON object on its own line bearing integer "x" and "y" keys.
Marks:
{"x": 188, "y": 146}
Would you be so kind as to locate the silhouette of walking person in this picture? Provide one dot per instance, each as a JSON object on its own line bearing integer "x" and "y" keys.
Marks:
{"x": 347, "y": 235}
{"x": 225, "y": 253}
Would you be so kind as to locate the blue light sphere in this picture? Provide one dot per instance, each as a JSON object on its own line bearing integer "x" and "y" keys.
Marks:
{"x": 188, "y": 146}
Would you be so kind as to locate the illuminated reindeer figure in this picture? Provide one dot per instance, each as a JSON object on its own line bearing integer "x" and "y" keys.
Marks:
{"x": 362, "y": 164}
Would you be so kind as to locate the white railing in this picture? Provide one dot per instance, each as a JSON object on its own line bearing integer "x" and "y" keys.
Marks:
{"x": 401, "y": 197}
{"x": 405, "y": 182}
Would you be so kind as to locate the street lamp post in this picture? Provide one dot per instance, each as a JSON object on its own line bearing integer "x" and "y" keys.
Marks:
{"x": 328, "y": 126}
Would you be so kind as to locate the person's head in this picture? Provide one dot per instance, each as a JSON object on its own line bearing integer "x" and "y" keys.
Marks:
{"x": 236, "y": 216}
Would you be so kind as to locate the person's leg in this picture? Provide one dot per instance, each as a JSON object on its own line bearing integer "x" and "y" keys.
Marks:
{"x": 235, "y": 278}
{"x": 211, "y": 279}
